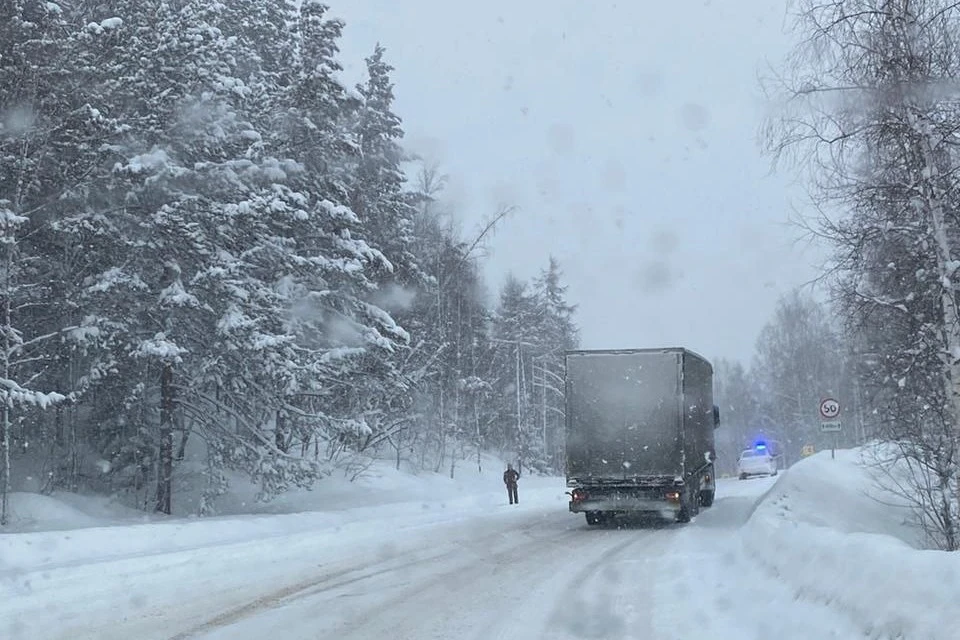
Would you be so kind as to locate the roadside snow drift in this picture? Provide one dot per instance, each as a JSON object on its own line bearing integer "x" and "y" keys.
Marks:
{"x": 829, "y": 533}
{"x": 67, "y": 529}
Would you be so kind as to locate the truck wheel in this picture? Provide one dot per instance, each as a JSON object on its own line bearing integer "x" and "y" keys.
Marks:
{"x": 706, "y": 497}
{"x": 689, "y": 507}
{"x": 594, "y": 517}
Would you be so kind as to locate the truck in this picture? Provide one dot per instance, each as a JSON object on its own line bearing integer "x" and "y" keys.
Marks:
{"x": 639, "y": 433}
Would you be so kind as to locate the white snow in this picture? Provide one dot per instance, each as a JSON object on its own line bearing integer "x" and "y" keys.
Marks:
{"x": 112, "y": 277}
{"x": 175, "y": 295}
{"x": 160, "y": 347}
{"x": 19, "y": 395}
{"x": 84, "y": 332}
{"x": 809, "y": 554}
{"x": 830, "y": 536}
{"x": 234, "y": 319}
{"x": 10, "y": 219}
{"x": 33, "y": 512}
{"x": 156, "y": 158}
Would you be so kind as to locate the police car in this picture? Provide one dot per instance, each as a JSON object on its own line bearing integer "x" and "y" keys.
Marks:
{"x": 758, "y": 461}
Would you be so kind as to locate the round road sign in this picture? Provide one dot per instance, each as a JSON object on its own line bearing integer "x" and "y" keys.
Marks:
{"x": 829, "y": 409}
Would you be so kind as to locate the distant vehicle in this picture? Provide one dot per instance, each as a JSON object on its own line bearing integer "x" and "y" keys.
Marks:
{"x": 758, "y": 461}
{"x": 639, "y": 433}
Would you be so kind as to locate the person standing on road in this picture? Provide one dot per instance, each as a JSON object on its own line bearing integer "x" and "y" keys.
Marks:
{"x": 510, "y": 477}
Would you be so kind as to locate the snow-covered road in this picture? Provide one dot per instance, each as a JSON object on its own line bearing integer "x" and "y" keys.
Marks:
{"x": 549, "y": 575}
{"x": 466, "y": 571}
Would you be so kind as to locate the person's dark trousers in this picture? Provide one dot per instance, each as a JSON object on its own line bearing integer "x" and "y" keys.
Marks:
{"x": 512, "y": 494}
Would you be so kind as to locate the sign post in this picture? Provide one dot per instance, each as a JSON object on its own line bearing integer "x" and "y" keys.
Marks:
{"x": 830, "y": 421}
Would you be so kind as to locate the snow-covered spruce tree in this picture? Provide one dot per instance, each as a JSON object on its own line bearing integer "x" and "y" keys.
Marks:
{"x": 347, "y": 341}
{"x": 378, "y": 195}
{"x": 200, "y": 222}
{"x": 379, "y": 198}
{"x": 873, "y": 103}
{"x": 50, "y": 139}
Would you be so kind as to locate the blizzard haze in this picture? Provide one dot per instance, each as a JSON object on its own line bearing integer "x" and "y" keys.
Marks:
{"x": 625, "y": 132}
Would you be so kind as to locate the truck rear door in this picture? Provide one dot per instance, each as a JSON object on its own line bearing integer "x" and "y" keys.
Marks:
{"x": 623, "y": 414}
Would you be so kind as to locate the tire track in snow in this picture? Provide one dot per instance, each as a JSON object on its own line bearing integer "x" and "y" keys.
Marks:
{"x": 456, "y": 600}
{"x": 304, "y": 589}
{"x": 601, "y": 600}
{"x": 359, "y": 571}
{"x": 493, "y": 586}
{"x": 537, "y": 612}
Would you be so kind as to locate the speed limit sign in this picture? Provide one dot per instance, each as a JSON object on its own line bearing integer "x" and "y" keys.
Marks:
{"x": 829, "y": 409}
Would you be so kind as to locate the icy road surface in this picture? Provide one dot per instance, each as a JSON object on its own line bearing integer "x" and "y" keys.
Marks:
{"x": 467, "y": 571}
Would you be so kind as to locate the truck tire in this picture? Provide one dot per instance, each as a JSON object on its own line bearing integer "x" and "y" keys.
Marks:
{"x": 706, "y": 497}
{"x": 594, "y": 517}
{"x": 689, "y": 507}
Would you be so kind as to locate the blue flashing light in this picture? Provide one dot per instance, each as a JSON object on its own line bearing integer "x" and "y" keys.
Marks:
{"x": 760, "y": 446}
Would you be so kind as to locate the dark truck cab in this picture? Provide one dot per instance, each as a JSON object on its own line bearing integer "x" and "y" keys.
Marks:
{"x": 639, "y": 433}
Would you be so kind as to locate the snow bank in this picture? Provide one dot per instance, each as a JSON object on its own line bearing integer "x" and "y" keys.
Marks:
{"x": 35, "y": 512}
{"x": 67, "y": 530}
{"x": 380, "y": 483}
{"x": 31, "y": 512}
{"x": 829, "y": 533}
{"x": 377, "y": 482}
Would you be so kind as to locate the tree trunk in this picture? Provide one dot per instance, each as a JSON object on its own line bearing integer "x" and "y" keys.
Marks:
{"x": 5, "y": 490}
{"x": 7, "y": 402}
{"x": 59, "y": 435}
{"x": 165, "y": 470}
{"x": 280, "y": 432}
{"x": 184, "y": 437}
{"x": 516, "y": 383}
{"x": 951, "y": 318}
{"x": 397, "y": 446}
{"x": 476, "y": 419}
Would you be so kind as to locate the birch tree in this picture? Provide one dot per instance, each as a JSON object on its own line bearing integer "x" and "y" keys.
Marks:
{"x": 871, "y": 107}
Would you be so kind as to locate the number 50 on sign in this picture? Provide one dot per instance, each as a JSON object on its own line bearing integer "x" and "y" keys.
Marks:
{"x": 829, "y": 409}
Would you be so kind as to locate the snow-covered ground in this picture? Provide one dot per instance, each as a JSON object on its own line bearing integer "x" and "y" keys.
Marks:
{"x": 829, "y": 534}
{"x": 808, "y": 554}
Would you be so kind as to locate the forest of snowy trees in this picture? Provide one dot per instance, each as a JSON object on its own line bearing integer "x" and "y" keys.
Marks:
{"x": 216, "y": 261}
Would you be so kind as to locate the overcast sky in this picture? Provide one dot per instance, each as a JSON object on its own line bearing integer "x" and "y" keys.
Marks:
{"x": 625, "y": 132}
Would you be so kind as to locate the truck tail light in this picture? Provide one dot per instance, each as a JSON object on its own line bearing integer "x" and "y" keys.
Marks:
{"x": 578, "y": 495}
{"x": 673, "y": 496}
